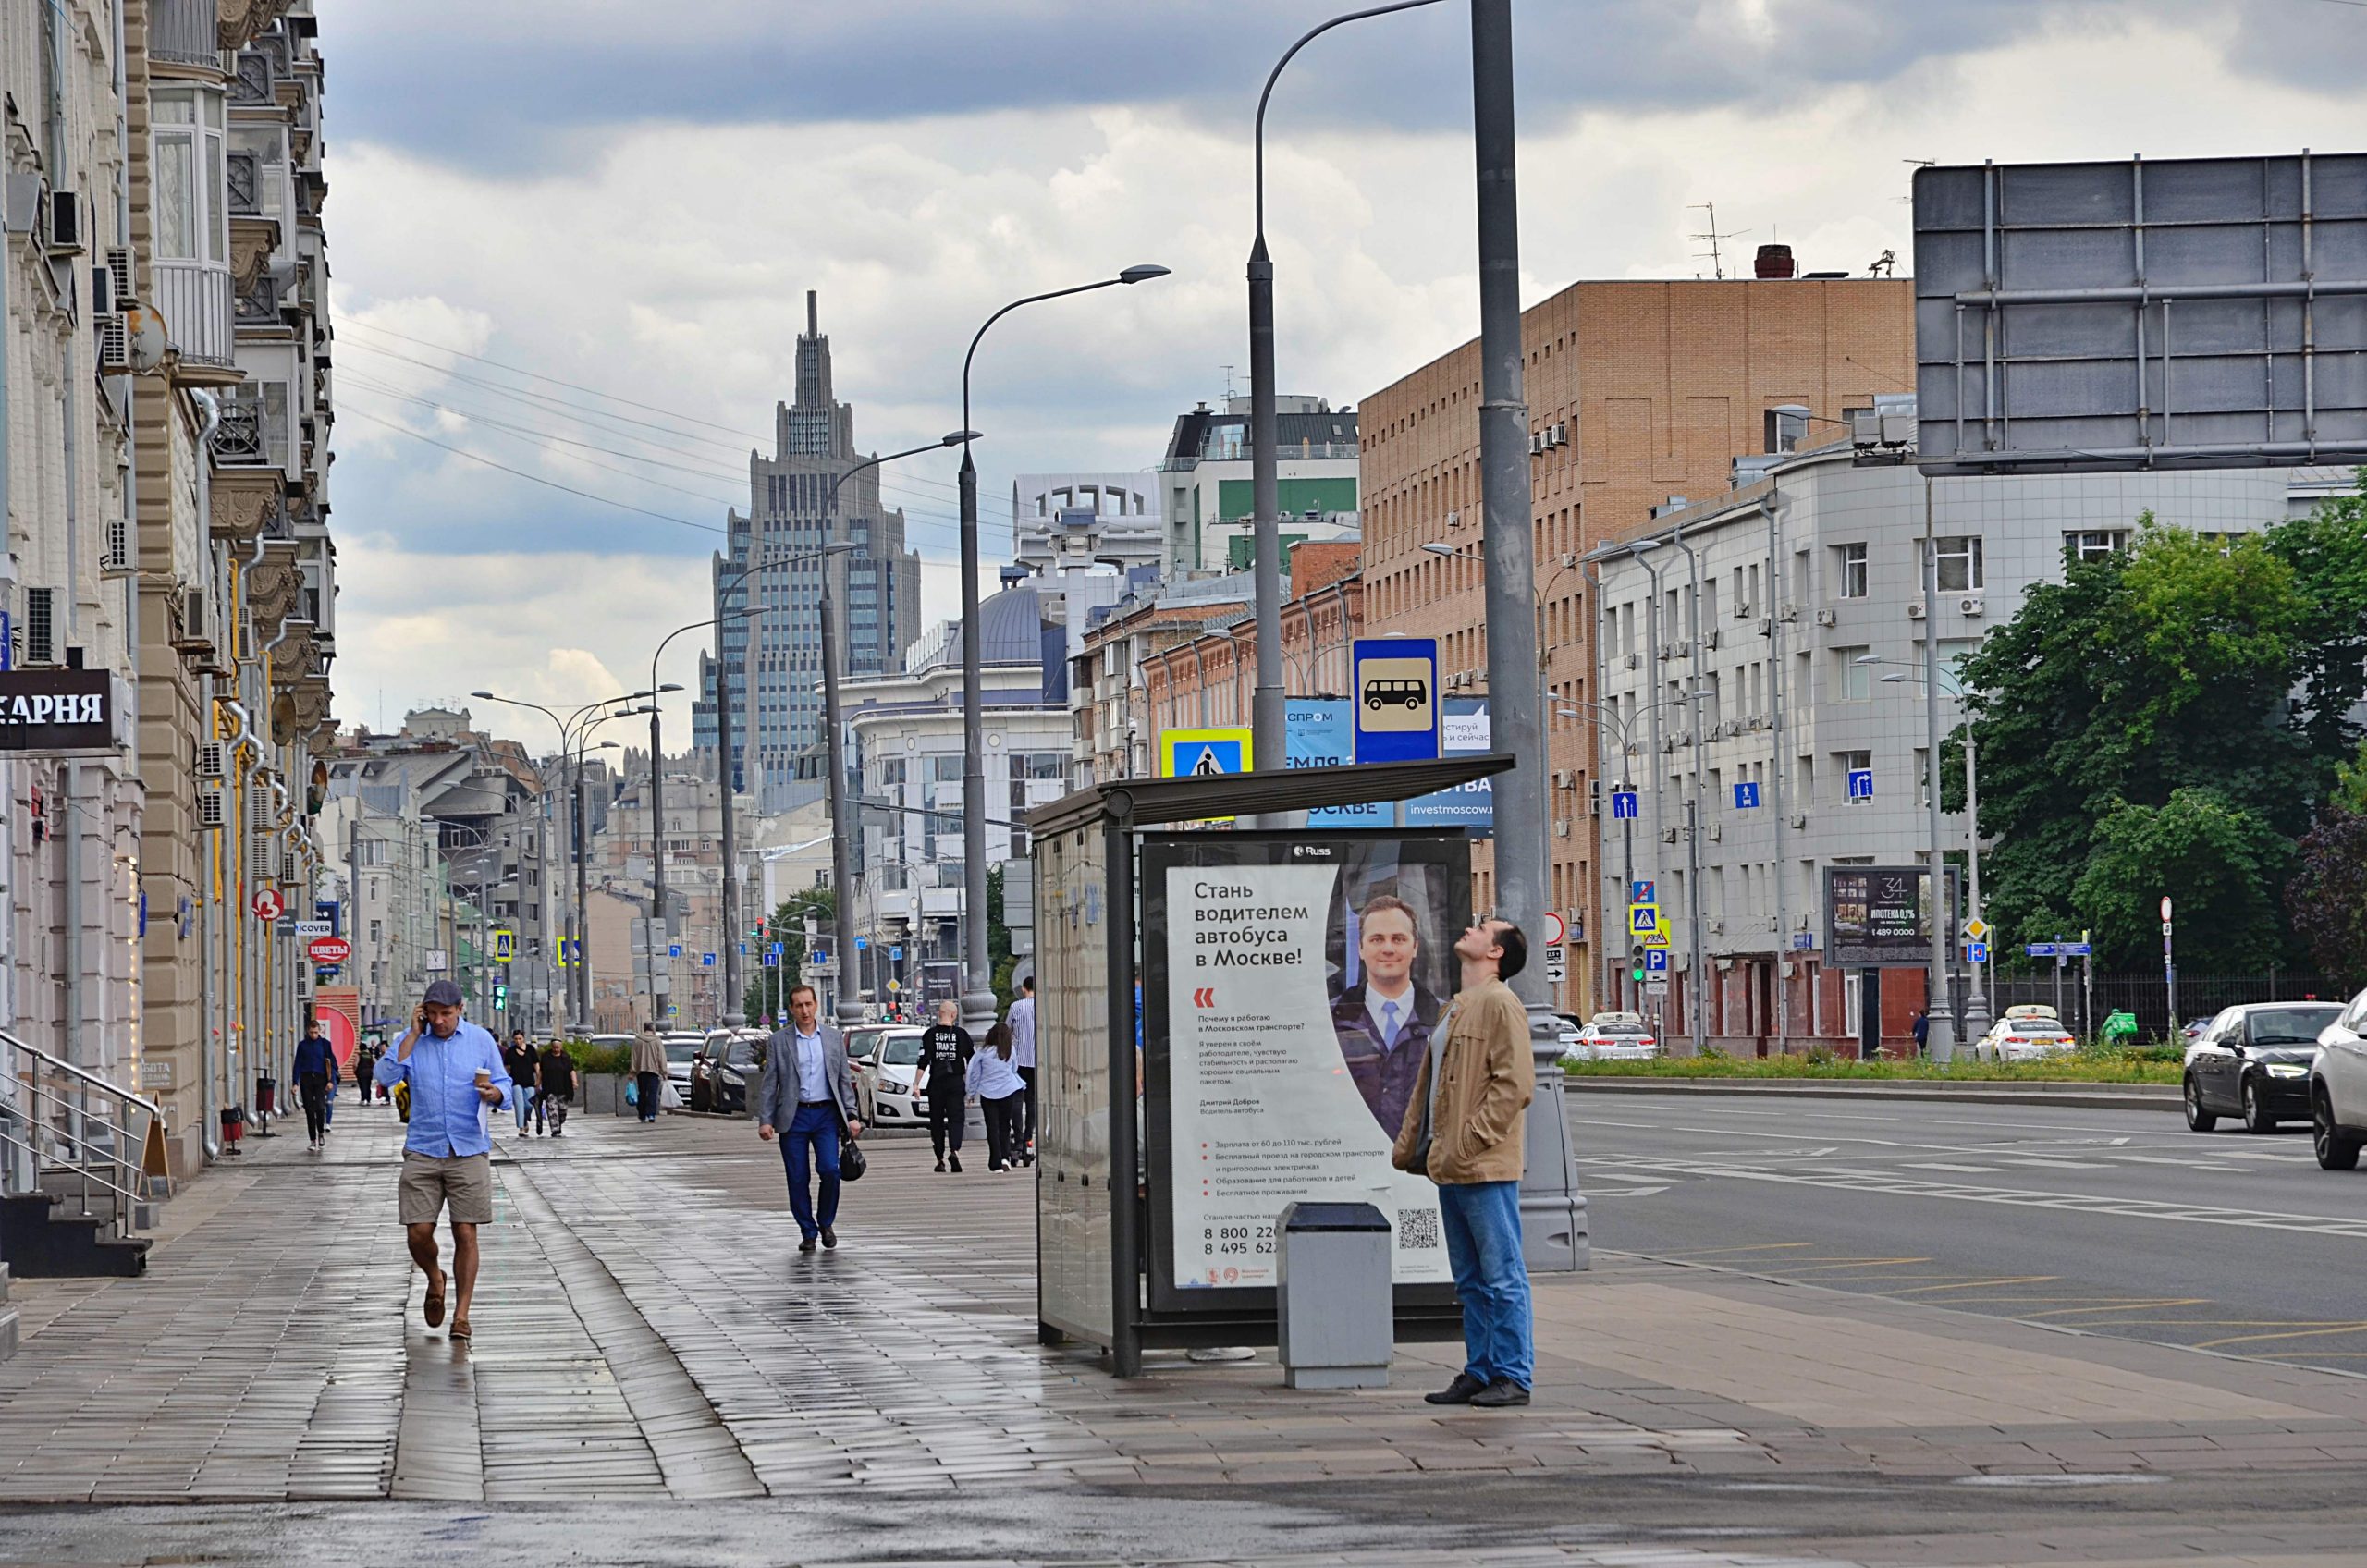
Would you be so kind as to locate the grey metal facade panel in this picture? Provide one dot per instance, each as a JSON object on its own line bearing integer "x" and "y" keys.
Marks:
{"x": 2090, "y": 317}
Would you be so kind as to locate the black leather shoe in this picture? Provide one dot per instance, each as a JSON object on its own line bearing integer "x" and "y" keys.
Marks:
{"x": 1460, "y": 1391}
{"x": 1498, "y": 1395}
{"x": 805, "y": 1246}
{"x": 829, "y": 1237}
{"x": 957, "y": 1163}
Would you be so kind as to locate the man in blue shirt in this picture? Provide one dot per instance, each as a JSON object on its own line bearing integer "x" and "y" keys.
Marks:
{"x": 315, "y": 1069}
{"x": 806, "y": 1096}
{"x": 456, "y": 1074}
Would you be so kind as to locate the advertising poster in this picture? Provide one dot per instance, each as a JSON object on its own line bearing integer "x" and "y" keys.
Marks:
{"x": 1320, "y": 732}
{"x": 338, "y": 1008}
{"x": 1292, "y": 981}
{"x": 1463, "y": 732}
{"x": 1879, "y": 916}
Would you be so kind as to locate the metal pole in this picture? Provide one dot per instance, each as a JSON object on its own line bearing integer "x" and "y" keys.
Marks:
{"x": 657, "y": 835}
{"x": 977, "y": 980}
{"x": 1939, "y": 1019}
{"x": 1976, "y": 1004}
{"x": 582, "y": 975}
{"x": 1695, "y": 974}
{"x": 1553, "y": 1222}
{"x": 841, "y": 886}
{"x": 1774, "y": 506}
{"x": 734, "y": 1013}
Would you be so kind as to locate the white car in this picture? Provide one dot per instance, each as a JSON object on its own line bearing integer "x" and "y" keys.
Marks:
{"x": 2339, "y": 1088}
{"x": 2025, "y": 1034}
{"x": 681, "y": 1049}
{"x": 885, "y": 1087}
{"x": 1613, "y": 1037}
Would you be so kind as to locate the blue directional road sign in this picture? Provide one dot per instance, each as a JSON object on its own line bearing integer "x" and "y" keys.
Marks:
{"x": 1861, "y": 783}
{"x": 1640, "y": 893}
{"x": 778, "y": 949}
{"x": 861, "y": 943}
{"x": 1655, "y": 961}
{"x": 673, "y": 949}
{"x": 1976, "y": 952}
{"x": 2043, "y": 950}
{"x": 707, "y": 961}
{"x": 1745, "y": 797}
{"x": 814, "y": 955}
{"x": 772, "y": 961}
{"x": 895, "y": 955}
{"x": 1623, "y": 804}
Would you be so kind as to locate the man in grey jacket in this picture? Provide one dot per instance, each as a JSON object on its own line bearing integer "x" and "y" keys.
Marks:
{"x": 805, "y": 1095}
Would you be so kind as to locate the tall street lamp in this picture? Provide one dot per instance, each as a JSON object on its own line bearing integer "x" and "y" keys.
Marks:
{"x": 1269, "y": 731}
{"x": 849, "y": 1004}
{"x": 1553, "y": 1226}
{"x": 977, "y": 995}
{"x": 1975, "y": 1001}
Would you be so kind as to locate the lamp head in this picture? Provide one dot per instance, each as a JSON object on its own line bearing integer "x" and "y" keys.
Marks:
{"x": 1436, "y": 548}
{"x": 485, "y": 696}
{"x": 1888, "y": 679}
{"x": 670, "y": 686}
{"x": 1867, "y": 658}
{"x": 959, "y": 437}
{"x": 1640, "y": 547}
{"x": 1142, "y": 274}
{"x": 839, "y": 547}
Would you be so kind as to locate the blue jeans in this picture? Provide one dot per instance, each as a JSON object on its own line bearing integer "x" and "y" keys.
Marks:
{"x": 1482, "y": 1221}
{"x": 523, "y": 1100}
{"x": 816, "y": 1130}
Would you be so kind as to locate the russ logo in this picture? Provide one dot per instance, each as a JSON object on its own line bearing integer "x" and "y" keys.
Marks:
{"x": 1205, "y": 997}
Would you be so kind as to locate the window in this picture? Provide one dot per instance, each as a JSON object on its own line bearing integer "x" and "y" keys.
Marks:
{"x": 41, "y": 626}
{"x": 1853, "y": 683}
{"x": 1960, "y": 562}
{"x": 190, "y": 223}
{"x": 2087, "y": 544}
{"x": 1849, "y": 569}
{"x": 378, "y": 932}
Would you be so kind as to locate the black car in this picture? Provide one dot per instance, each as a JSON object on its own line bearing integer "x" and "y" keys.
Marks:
{"x": 2253, "y": 1061}
{"x": 724, "y": 1073}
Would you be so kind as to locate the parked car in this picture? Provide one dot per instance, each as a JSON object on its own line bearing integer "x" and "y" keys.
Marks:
{"x": 2339, "y": 1088}
{"x": 885, "y": 1090}
{"x": 2028, "y": 1033}
{"x": 1614, "y": 1037}
{"x": 725, "y": 1071}
{"x": 2253, "y": 1061}
{"x": 863, "y": 1059}
{"x": 2192, "y": 1030}
{"x": 681, "y": 1049}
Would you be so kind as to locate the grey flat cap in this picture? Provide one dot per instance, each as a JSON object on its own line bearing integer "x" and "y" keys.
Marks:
{"x": 443, "y": 993}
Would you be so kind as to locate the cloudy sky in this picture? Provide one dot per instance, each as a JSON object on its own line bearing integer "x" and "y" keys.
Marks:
{"x": 571, "y": 240}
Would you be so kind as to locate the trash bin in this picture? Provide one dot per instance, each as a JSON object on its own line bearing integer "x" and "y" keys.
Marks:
{"x": 1333, "y": 1295}
{"x": 233, "y": 1127}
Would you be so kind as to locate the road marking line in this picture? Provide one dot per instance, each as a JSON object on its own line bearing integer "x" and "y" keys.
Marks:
{"x": 2120, "y": 1306}
{"x": 1961, "y": 1170}
{"x": 1622, "y": 1192}
{"x": 2293, "y": 1334}
{"x": 1763, "y": 1246}
{"x": 2057, "y": 1164}
{"x": 1977, "y": 1284}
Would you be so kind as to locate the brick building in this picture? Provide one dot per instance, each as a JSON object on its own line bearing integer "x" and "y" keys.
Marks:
{"x": 1636, "y": 392}
{"x": 1207, "y": 679}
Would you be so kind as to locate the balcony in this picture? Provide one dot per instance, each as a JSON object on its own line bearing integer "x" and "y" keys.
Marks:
{"x": 195, "y": 299}
{"x": 185, "y": 32}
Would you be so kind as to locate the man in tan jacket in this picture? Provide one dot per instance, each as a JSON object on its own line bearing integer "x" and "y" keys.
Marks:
{"x": 1463, "y": 1131}
{"x": 648, "y": 1072}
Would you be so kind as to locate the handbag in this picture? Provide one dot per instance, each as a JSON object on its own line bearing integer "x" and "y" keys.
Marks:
{"x": 852, "y": 1162}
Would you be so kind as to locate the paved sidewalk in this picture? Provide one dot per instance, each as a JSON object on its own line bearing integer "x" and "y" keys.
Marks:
{"x": 645, "y": 1330}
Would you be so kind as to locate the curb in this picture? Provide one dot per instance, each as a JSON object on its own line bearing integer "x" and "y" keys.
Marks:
{"x": 2116, "y": 1097}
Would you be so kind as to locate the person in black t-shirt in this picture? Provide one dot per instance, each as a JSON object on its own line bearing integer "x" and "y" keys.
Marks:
{"x": 944, "y": 1076}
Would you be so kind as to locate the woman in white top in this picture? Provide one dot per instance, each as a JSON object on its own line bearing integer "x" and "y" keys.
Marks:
{"x": 1002, "y": 1098}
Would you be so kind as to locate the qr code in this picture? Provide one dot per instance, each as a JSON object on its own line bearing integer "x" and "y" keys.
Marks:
{"x": 1417, "y": 1229}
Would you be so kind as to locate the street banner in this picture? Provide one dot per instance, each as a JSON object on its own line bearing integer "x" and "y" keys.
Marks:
{"x": 1319, "y": 732}
{"x": 1880, "y": 916}
{"x": 1292, "y": 982}
{"x": 1463, "y": 732}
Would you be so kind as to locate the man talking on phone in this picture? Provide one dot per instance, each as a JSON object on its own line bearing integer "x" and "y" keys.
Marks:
{"x": 456, "y": 1074}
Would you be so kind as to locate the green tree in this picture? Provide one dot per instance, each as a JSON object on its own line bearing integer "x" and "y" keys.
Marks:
{"x": 768, "y": 990}
{"x": 2221, "y": 861}
{"x": 999, "y": 962}
{"x": 2136, "y": 678}
{"x": 2327, "y": 898}
{"x": 2326, "y": 552}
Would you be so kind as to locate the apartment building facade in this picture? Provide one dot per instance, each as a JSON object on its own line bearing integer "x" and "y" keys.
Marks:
{"x": 1740, "y": 694}
{"x": 1638, "y": 391}
{"x": 1205, "y": 482}
{"x": 1114, "y": 732}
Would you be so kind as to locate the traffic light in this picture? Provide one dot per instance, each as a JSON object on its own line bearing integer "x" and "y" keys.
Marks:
{"x": 500, "y": 996}
{"x": 1636, "y": 963}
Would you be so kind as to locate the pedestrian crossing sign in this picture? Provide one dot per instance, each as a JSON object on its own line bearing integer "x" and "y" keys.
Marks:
{"x": 1643, "y": 919}
{"x": 505, "y": 946}
{"x": 1204, "y": 753}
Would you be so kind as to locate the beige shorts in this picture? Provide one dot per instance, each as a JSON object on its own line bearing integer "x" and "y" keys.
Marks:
{"x": 429, "y": 1183}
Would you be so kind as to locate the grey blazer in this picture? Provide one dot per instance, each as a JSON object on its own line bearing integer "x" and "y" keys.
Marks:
{"x": 778, "y": 1093}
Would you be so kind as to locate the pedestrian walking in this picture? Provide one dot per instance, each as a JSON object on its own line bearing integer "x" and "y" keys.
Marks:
{"x": 1464, "y": 1129}
{"x": 648, "y": 1071}
{"x": 365, "y": 1062}
{"x": 944, "y": 1076}
{"x": 1922, "y": 1028}
{"x": 1002, "y": 1098}
{"x": 452, "y": 1071}
{"x": 1022, "y": 1019}
{"x": 555, "y": 1086}
{"x": 518, "y": 1058}
{"x": 315, "y": 1061}
{"x": 805, "y": 1096}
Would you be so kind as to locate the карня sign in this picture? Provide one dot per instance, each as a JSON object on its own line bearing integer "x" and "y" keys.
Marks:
{"x": 59, "y": 710}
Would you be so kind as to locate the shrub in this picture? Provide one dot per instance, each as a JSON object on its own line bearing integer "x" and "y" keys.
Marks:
{"x": 615, "y": 1056}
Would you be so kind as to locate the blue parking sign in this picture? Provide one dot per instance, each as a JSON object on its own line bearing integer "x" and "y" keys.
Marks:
{"x": 1655, "y": 961}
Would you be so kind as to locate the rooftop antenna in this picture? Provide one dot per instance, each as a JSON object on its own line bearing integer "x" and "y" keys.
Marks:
{"x": 1714, "y": 234}
{"x": 1228, "y": 382}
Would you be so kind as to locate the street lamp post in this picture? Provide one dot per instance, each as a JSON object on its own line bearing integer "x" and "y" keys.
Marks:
{"x": 977, "y": 996}
{"x": 1554, "y": 1226}
{"x": 1268, "y": 732}
{"x": 1975, "y": 1001}
{"x": 1941, "y": 1030}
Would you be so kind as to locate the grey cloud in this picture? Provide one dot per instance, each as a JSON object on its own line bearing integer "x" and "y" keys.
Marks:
{"x": 515, "y": 82}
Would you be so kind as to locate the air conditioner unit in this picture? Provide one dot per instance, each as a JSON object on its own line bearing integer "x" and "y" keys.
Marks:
{"x": 212, "y": 758}
{"x": 118, "y": 264}
{"x": 1828, "y": 618}
{"x": 1561, "y": 827}
{"x": 1799, "y": 819}
{"x": 1789, "y": 612}
{"x": 1561, "y": 433}
{"x": 1668, "y": 745}
{"x": 1773, "y": 923}
{"x": 262, "y": 858}
{"x": 1766, "y": 626}
{"x": 1758, "y": 721}
{"x": 1635, "y": 661}
{"x": 1742, "y": 612}
{"x": 1454, "y": 519}
{"x": 1972, "y": 606}
{"x": 116, "y": 559}
{"x": 1569, "y": 559}
{"x": 1565, "y": 778}
{"x": 1717, "y": 832}
{"x": 1668, "y": 835}
{"x": 1710, "y": 640}
{"x": 1536, "y": 445}
{"x": 1715, "y": 928}
{"x": 65, "y": 236}
{"x": 1914, "y": 609}
{"x": 213, "y": 808}
{"x": 113, "y": 331}
{"x": 259, "y": 809}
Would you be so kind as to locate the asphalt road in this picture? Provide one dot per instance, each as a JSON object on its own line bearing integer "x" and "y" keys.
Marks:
{"x": 2110, "y": 1222}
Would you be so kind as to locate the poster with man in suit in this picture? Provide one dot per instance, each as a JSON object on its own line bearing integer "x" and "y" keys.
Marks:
{"x": 1384, "y": 1021}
